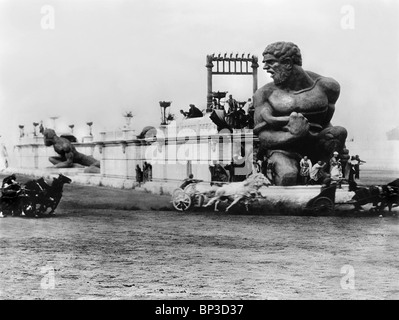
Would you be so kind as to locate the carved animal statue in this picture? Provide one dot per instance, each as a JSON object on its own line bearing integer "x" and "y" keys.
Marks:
{"x": 239, "y": 191}
{"x": 45, "y": 196}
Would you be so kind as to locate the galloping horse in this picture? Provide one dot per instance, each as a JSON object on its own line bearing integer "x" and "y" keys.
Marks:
{"x": 391, "y": 195}
{"x": 45, "y": 195}
{"x": 237, "y": 191}
{"x": 37, "y": 191}
{"x": 365, "y": 195}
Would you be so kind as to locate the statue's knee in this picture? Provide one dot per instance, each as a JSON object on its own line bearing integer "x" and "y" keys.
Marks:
{"x": 334, "y": 133}
{"x": 287, "y": 176}
{"x": 285, "y": 170}
{"x": 341, "y": 133}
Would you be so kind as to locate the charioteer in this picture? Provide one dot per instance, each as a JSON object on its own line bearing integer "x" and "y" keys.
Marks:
{"x": 10, "y": 186}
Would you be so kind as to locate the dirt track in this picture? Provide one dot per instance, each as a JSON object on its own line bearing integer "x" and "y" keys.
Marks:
{"x": 99, "y": 246}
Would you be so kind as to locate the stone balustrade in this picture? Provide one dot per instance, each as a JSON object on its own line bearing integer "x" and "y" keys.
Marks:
{"x": 180, "y": 148}
{"x": 172, "y": 156}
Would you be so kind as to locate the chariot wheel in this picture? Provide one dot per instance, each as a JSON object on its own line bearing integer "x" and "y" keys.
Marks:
{"x": 323, "y": 206}
{"x": 181, "y": 201}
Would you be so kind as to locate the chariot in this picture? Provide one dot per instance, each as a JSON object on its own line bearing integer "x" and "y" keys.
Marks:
{"x": 314, "y": 201}
{"x": 188, "y": 198}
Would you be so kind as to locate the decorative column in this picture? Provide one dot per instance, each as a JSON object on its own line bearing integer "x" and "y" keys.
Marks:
{"x": 128, "y": 119}
{"x": 21, "y": 131}
{"x": 209, "y": 66}
{"x": 90, "y": 124}
{"x": 255, "y": 66}
{"x": 35, "y": 124}
{"x": 164, "y": 105}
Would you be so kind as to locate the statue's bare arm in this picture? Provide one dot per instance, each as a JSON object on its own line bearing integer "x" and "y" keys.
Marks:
{"x": 332, "y": 90}
{"x": 277, "y": 130}
{"x": 268, "y": 119}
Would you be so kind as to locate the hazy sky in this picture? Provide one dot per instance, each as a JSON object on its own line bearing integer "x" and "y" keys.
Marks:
{"x": 103, "y": 58}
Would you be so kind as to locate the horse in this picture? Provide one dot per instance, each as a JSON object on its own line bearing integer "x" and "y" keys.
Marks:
{"x": 54, "y": 193}
{"x": 390, "y": 195}
{"x": 45, "y": 195}
{"x": 37, "y": 190}
{"x": 238, "y": 191}
{"x": 366, "y": 195}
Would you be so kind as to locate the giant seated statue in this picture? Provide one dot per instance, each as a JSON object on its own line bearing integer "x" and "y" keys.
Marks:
{"x": 68, "y": 156}
{"x": 293, "y": 114}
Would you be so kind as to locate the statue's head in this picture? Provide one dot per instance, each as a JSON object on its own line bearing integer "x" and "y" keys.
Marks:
{"x": 279, "y": 59}
{"x": 49, "y": 135}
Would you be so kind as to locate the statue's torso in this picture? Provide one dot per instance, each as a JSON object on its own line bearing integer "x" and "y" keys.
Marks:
{"x": 59, "y": 149}
{"x": 63, "y": 146}
{"x": 311, "y": 102}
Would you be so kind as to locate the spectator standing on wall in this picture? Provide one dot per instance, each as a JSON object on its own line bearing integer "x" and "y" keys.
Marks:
{"x": 145, "y": 171}
{"x": 248, "y": 105}
{"x": 352, "y": 163}
{"x": 194, "y": 112}
{"x": 232, "y": 103}
{"x": 139, "y": 175}
{"x": 334, "y": 161}
{"x": 149, "y": 168}
{"x": 357, "y": 166}
{"x": 317, "y": 173}
{"x": 305, "y": 165}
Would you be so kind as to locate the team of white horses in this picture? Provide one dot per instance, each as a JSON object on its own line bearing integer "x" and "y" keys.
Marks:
{"x": 236, "y": 191}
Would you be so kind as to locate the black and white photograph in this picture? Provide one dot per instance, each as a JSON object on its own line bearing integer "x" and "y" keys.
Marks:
{"x": 212, "y": 151}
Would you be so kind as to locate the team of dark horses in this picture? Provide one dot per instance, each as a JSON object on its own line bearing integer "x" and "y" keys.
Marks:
{"x": 35, "y": 198}
{"x": 380, "y": 196}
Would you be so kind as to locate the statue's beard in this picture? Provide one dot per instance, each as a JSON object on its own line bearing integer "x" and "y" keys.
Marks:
{"x": 281, "y": 75}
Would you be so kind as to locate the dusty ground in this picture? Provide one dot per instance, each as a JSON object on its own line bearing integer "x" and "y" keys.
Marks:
{"x": 122, "y": 244}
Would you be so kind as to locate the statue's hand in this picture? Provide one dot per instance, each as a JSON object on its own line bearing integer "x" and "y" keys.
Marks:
{"x": 345, "y": 154}
{"x": 333, "y": 139}
{"x": 298, "y": 125}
